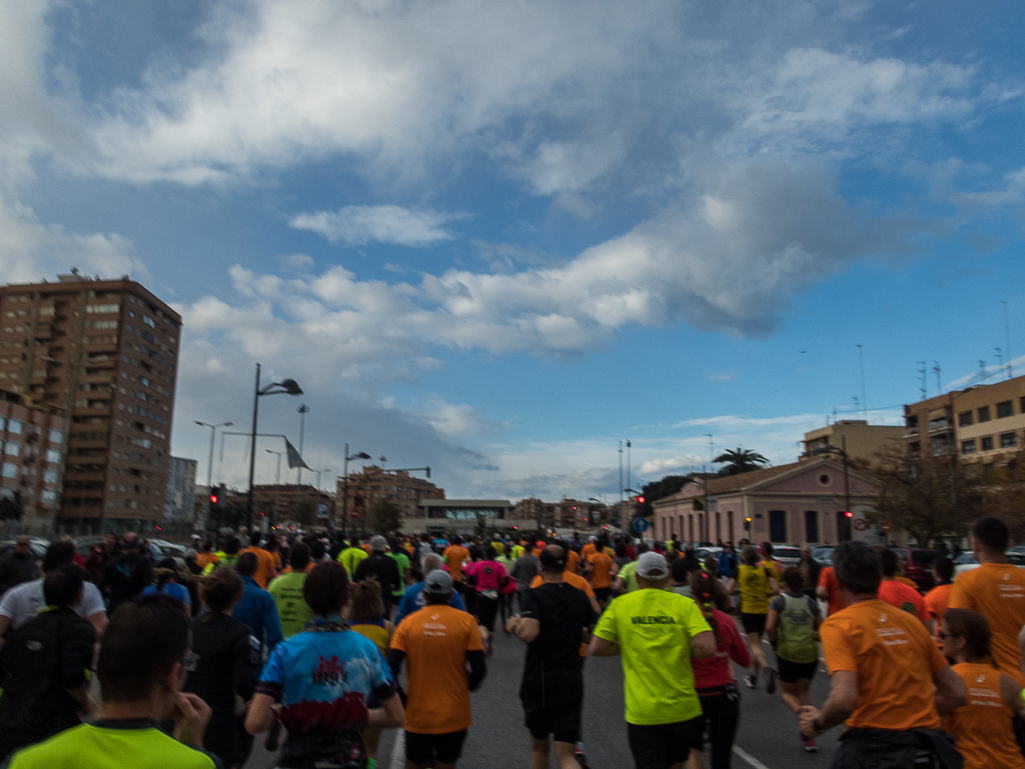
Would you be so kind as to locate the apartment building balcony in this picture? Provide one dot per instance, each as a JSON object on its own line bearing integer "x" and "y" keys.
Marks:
{"x": 939, "y": 426}
{"x": 911, "y": 432}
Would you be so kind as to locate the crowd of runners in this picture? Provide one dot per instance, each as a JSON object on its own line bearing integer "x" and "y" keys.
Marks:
{"x": 319, "y": 643}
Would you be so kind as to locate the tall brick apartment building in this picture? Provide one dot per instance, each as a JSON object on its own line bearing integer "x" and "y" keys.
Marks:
{"x": 105, "y": 354}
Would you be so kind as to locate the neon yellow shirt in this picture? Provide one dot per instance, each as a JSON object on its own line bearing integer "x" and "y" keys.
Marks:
{"x": 754, "y": 589}
{"x": 112, "y": 745}
{"x": 653, "y": 629}
{"x": 294, "y": 612}
{"x": 351, "y": 557}
{"x": 628, "y": 573}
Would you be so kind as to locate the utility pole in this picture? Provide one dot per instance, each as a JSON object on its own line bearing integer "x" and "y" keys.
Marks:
{"x": 621, "y": 472}
{"x": 1007, "y": 340}
{"x": 936, "y": 371}
{"x": 303, "y": 411}
{"x": 629, "y": 484}
{"x": 864, "y": 398}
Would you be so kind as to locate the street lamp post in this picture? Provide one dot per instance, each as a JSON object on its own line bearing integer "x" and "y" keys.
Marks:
{"x": 318, "y": 472}
{"x": 210, "y": 466}
{"x": 303, "y": 411}
{"x": 842, "y": 451}
{"x": 284, "y": 386}
{"x": 345, "y": 487}
{"x": 277, "y": 485}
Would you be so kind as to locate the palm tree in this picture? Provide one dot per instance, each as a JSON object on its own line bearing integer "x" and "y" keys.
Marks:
{"x": 740, "y": 461}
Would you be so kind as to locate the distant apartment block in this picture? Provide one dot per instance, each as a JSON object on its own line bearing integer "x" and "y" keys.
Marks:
{"x": 104, "y": 354}
{"x": 855, "y": 436}
{"x": 180, "y": 501}
{"x": 373, "y": 484}
{"x": 32, "y": 441}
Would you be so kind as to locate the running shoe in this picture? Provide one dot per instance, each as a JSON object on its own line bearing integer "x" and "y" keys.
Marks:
{"x": 810, "y": 746}
{"x": 770, "y": 683}
{"x": 580, "y": 757}
{"x": 751, "y": 681}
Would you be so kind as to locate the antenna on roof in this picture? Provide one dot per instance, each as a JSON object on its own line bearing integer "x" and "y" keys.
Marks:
{"x": 924, "y": 389}
{"x": 936, "y": 370}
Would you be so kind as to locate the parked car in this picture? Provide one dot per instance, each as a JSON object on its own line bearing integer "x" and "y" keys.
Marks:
{"x": 823, "y": 554}
{"x": 786, "y": 555}
{"x": 702, "y": 553}
{"x": 967, "y": 561}
{"x": 918, "y": 565}
{"x": 35, "y": 546}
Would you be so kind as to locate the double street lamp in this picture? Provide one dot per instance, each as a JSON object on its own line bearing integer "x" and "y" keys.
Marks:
{"x": 210, "y": 466}
{"x": 288, "y": 386}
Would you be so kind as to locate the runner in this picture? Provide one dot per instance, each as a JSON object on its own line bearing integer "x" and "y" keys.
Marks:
{"x": 602, "y": 569}
{"x": 756, "y": 585}
{"x": 829, "y": 591}
{"x": 401, "y": 558}
{"x": 524, "y": 571}
{"x": 439, "y": 642}
{"x": 323, "y": 679}
{"x": 367, "y": 617}
{"x": 713, "y": 676}
{"x": 554, "y": 620}
{"x": 898, "y": 594}
{"x": 288, "y": 592}
{"x": 792, "y": 626}
{"x": 383, "y": 568}
{"x": 982, "y": 729}
{"x": 626, "y": 582}
{"x": 656, "y": 631}
{"x": 487, "y": 578}
{"x": 352, "y": 556}
{"x": 938, "y": 599}
{"x": 413, "y": 599}
{"x": 256, "y": 609}
{"x": 267, "y": 568}
{"x": 997, "y": 591}
{"x": 769, "y": 562}
{"x": 887, "y": 676}
{"x": 573, "y": 579}
{"x": 454, "y": 556}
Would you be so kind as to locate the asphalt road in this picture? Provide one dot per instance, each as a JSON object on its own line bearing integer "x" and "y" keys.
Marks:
{"x": 767, "y": 738}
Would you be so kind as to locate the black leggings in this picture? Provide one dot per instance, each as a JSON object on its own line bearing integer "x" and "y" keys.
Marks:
{"x": 486, "y": 608}
{"x": 720, "y": 717}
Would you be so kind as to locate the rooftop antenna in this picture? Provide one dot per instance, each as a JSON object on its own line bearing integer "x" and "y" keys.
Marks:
{"x": 982, "y": 371}
{"x": 1007, "y": 341}
{"x": 857, "y": 408}
{"x": 921, "y": 376}
{"x": 1000, "y": 358}
{"x": 936, "y": 371}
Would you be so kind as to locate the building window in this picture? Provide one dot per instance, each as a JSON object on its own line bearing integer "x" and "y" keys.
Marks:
{"x": 14, "y": 426}
{"x": 964, "y": 419}
{"x": 12, "y": 448}
{"x": 50, "y": 476}
{"x": 913, "y": 421}
{"x": 984, "y": 414}
{"x": 729, "y": 523}
{"x": 987, "y": 443}
{"x": 10, "y": 470}
{"x": 811, "y": 526}
{"x": 53, "y": 457}
{"x": 56, "y": 436}
{"x": 778, "y": 525}
{"x": 968, "y": 447}
{"x": 1007, "y": 440}
{"x": 1005, "y": 409}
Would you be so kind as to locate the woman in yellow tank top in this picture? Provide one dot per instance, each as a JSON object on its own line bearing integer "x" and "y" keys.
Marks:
{"x": 756, "y": 585}
{"x": 982, "y": 729}
{"x": 366, "y": 617}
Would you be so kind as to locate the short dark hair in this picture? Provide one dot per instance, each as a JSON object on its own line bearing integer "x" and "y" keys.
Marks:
{"x": 231, "y": 545}
{"x": 767, "y": 548}
{"x": 857, "y": 567}
{"x": 793, "y": 579}
{"x": 889, "y": 561}
{"x": 58, "y": 554}
{"x": 489, "y": 552}
{"x": 944, "y": 567}
{"x": 991, "y": 533}
{"x": 749, "y": 556}
{"x": 317, "y": 549}
{"x": 141, "y": 644}
{"x": 299, "y": 556}
{"x": 326, "y": 588}
{"x": 62, "y": 585}
{"x": 219, "y": 590}
{"x": 247, "y": 564}
{"x": 973, "y": 628}
{"x": 679, "y": 570}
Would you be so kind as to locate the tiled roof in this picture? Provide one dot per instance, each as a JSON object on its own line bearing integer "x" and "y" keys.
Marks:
{"x": 731, "y": 483}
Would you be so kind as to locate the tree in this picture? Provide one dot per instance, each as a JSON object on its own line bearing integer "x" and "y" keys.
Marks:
{"x": 665, "y": 487}
{"x": 385, "y": 516}
{"x": 11, "y": 507}
{"x": 739, "y": 461}
{"x": 929, "y": 497}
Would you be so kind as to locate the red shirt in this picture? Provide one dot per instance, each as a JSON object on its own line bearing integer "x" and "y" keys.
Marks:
{"x": 631, "y": 553}
{"x": 904, "y": 598}
{"x": 716, "y": 670}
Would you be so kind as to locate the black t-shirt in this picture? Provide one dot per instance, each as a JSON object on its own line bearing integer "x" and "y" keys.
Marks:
{"x": 553, "y": 671}
{"x": 229, "y": 662}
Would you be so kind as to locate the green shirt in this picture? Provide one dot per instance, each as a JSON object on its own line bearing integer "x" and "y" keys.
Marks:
{"x": 112, "y": 744}
{"x": 628, "y": 575}
{"x": 351, "y": 557}
{"x": 402, "y": 561}
{"x": 294, "y": 612}
{"x": 653, "y": 629}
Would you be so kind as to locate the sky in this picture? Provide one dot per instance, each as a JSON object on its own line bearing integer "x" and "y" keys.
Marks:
{"x": 497, "y": 239}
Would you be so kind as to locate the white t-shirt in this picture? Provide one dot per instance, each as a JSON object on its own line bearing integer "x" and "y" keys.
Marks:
{"x": 23, "y": 602}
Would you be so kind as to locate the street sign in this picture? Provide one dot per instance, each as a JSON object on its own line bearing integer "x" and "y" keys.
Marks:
{"x": 886, "y": 528}
{"x": 640, "y": 525}
{"x": 354, "y": 514}
{"x": 322, "y": 510}
{"x": 860, "y": 524}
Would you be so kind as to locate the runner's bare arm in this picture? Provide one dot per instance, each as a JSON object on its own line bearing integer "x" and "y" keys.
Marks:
{"x": 770, "y": 625}
{"x": 98, "y": 620}
{"x": 391, "y": 714}
{"x": 702, "y": 645}
{"x": 1011, "y": 693}
{"x": 951, "y": 692}
{"x": 822, "y": 593}
{"x": 842, "y": 700}
{"x": 602, "y": 648}
{"x": 261, "y": 716}
{"x": 526, "y": 629}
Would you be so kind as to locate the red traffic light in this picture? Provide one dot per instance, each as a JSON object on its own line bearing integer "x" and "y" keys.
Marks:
{"x": 213, "y": 499}
{"x": 849, "y": 514}
{"x": 641, "y": 500}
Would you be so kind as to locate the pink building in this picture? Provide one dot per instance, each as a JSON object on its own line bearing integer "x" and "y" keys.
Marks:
{"x": 799, "y": 503}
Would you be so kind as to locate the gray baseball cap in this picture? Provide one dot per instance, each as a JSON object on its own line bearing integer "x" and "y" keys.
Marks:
{"x": 438, "y": 582}
{"x": 378, "y": 544}
{"x": 652, "y": 566}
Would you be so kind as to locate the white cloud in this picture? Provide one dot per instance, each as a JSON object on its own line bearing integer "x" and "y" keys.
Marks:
{"x": 461, "y": 420}
{"x": 359, "y": 225}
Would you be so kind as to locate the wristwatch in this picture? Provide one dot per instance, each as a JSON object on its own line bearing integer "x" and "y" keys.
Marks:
{"x": 817, "y": 726}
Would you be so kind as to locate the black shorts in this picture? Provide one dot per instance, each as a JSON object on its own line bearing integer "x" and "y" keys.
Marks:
{"x": 602, "y": 593}
{"x": 662, "y": 745}
{"x": 561, "y": 720}
{"x": 425, "y": 748}
{"x": 753, "y": 623}
{"x": 789, "y": 671}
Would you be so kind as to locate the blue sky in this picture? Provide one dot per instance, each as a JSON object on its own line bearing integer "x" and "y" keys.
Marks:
{"x": 499, "y": 238}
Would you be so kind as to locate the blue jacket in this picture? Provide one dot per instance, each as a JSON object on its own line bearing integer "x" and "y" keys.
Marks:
{"x": 258, "y": 610}
{"x": 728, "y": 565}
{"x": 412, "y": 601}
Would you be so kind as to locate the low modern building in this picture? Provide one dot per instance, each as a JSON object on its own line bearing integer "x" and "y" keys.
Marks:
{"x": 179, "y": 504}
{"x": 32, "y": 441}
{"x": 855, "y": 436}
{"x": 567, "y": 514}
{"x": 466, "y": 516}
{"x": 798, "y": 503}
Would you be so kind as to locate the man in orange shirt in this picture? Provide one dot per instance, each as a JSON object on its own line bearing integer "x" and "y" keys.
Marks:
{"x": 573, "y": 561}
{"x": 454, "y": 556}
{"x": 439, "y": 642}
{"x": 266, "y": 569}
{"x": 829, "y": 591}
{"x": 938, "y": 599}
{"x": 997, "y": 591}
{"x": 586, "y": 550}
{"x": 887, "y": 676}
{"x": 898, "y": 594}
{"x": 601, "y": 569}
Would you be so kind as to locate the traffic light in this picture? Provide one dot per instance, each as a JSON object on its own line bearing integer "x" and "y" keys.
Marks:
{"x": 640, "y": 500}
{"x": 849, "y": 514}
{"x": 216, "y": 504}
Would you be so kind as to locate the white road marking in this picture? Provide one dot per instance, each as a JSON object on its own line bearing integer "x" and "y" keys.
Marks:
{"x": 398, "y": 751}
{"x": 749, "y": 758}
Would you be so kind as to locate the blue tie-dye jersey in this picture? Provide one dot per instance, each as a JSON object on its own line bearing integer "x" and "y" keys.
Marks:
{"x": 322, "y": 678}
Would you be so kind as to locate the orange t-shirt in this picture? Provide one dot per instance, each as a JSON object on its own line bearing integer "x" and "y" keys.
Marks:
{"x": 828, "y": 580}
{"x": 205, "y": 559}
{"x": 265, "y": 569}
{"x": 936, "y": 602}
{"x": 454, "y": 557}
{"x": 904, "y": 598}
{"x": 894, "y": 658}
{"x": 982, "y": 728}
{"x": 601, "y": 568}
{"x": 436, "y": 640}
{"x": 573, "y": 561}
{"x": 997, "y": 592}
{"x": 905, "y": 581}
{"x": 571, "y": 579}
{"x": 586, "y": 550}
